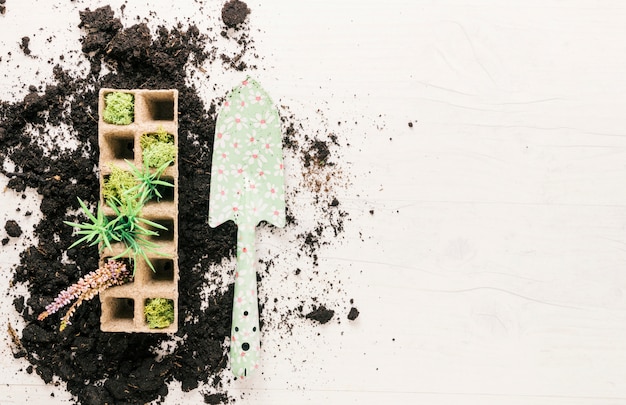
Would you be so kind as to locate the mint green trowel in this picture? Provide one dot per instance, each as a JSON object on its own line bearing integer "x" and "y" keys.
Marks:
{"x": 247, "y": 186}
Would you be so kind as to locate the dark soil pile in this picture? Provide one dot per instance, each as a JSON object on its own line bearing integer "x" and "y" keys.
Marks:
{"x": 112, "y": 368}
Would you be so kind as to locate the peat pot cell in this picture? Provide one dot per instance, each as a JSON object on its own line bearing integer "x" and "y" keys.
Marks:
{"x": 122, "y": 308}
{"x": 121, "y": 147}
{"x": 160, "y": 107}
{"x": 163, "y": 270}
{"x": 164, "y": 235}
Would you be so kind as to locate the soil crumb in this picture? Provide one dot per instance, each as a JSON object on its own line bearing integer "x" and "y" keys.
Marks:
{"x": 321, "y": 314}
{"x": 234, "y": 13}
{"x": 24, "y": 45}
{"x": 13, "y": 229}
{"x": 353, "y": 314}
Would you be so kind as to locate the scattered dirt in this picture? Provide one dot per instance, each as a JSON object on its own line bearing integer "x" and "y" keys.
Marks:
{"x": 111, "y": 368}
{"x": 13, "y": 229}
{"x": 234, "y": 13}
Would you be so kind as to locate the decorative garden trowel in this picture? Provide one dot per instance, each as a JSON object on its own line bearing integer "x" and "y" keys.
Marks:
{"x": 247, "y": 186}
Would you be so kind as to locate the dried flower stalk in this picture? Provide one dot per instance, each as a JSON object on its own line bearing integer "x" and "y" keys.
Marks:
{"x": 112, "y": 273}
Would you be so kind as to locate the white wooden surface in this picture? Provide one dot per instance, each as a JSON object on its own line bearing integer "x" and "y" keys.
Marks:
{"x": 493, "y": 270}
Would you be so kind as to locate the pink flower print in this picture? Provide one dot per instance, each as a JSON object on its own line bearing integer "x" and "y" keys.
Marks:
{"x": 262, "y": 120}
{"x": 245, "y": 82}
{"x": 241, "y": 103}
{"x": 256, "y": 98}
{"x": 221, "y": 193}
{"x": 221, "y": 137}
{"x": 231, "y": 210}
{"x": 261, "y": 174}
{"x": 235, "y": 146}
{"x": 279, "y": 167}
{"x": 245, "y": 254}
{"x": 276, "y": 213}
{"x": 226, "y": 106}
{"x": 238, "y": 121}
{"x": 254, "y": 156}
{"x": 253, "y": 187}
{"x": 272, "y": 192}
{"x": 240, "y": 300}
{"x": 252, "y": 138}
{"x": 221, "y": 173}
{"x": 266, "y": 144}
{"x": 223, "y": 156}
{"x": 236, "y": 170}
{"x": 258, "y": 209}
{"x": 241, "y": 277}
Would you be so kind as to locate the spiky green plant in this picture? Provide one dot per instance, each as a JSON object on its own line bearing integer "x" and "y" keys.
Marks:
{"x": 127, "y": 227}
{"x": 99, "y": 230}
{"x": 132, "y": 230}
{"x": 148, "y": 180}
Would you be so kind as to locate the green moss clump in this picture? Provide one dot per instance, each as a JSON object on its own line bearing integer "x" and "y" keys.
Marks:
{"x": 159, "y": 154}
{"x": 118, "y": 182}
{"x": 149, "y": 139}
{"x": 158, "y": 148}
{"x": 159, "y": 312}
{"x": 119, "y": 108}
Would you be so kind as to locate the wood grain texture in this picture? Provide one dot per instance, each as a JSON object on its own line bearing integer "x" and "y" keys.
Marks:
{"x": 492, "y": 270}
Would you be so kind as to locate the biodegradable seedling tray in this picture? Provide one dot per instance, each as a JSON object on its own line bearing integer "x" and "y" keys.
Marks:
{"x": 123, "y": 306}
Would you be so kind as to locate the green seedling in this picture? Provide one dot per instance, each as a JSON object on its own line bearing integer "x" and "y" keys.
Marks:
{"x": 132, "y": 230}
{"x": 148, "y": 181}
{"x": 127, "y": 227}
{"x": 98, "y": 231}
{"x": 119, "y": 108}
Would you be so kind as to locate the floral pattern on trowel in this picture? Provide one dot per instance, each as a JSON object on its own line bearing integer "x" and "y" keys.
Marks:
{"x": 247, "y": 186}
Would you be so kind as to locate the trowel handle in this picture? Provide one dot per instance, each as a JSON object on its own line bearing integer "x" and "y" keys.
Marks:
{"x": 245, "y": 342}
